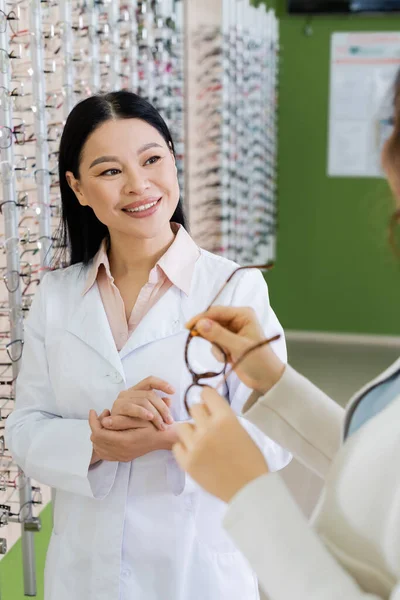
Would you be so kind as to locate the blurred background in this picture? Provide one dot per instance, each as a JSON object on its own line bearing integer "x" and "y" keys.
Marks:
{"x": 278, "y": 124}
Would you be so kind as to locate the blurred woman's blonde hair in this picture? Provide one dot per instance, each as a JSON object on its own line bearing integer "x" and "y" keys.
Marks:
{"x": 391, "y": 163}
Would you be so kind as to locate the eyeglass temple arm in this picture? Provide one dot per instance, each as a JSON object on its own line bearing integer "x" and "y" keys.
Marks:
{"x": 266, "y": 267}
{"x": 245, "y": 354}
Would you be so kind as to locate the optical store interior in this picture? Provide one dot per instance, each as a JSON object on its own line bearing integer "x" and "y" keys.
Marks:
{"x": 199, "y": 299}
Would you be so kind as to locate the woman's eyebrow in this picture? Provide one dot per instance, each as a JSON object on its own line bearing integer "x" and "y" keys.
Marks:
{"x": 147, "y": 147}
{"x": 103, "y": 159}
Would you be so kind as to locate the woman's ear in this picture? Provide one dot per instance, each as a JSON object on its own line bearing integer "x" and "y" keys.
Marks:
{"x": 75, "y": 186}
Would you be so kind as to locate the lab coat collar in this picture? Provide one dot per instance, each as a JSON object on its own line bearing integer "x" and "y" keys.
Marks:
{"x": 164, "y": 319}
{"x": 89, "y": 323}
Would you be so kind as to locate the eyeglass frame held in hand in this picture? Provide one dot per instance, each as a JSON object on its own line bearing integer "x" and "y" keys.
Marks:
{"x": 196, "y": 377}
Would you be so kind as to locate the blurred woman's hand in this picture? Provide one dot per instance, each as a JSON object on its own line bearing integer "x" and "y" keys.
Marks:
{"x": 216, "y": 450}
{"x": 236, "y": 330}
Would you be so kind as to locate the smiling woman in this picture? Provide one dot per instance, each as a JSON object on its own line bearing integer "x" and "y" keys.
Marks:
{"x": 103, "y": 376}
{"x": 116, "y": 154}
{"x": 134, "y": 181}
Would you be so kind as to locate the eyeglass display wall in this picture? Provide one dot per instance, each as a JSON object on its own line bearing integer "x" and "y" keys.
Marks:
{"x": 53, "y": 54}
{"x": 233, "y": 51}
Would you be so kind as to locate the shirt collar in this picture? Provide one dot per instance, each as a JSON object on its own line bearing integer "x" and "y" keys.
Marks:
{"x": 99, "y": 259}
{"x": 177, "y": 263}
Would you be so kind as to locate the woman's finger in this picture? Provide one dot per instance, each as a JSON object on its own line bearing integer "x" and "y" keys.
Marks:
{"x": 107, "y": 438}
{"x": 228, "y": 316}
{"x": 131, "y": 409}
{"x": 213, "y": 332}
{"x": 162, "y": 408}
{"x": 105, "y": 413}
{"x": 122, "y": 423}
{"x": 153, "y": 404}
{"x": 154, "y": 383}
{"x": 216, "y": 352}
{"x": 140, "y": 407}
{"x": 215, "y": 403}
{"x": 200, "y": 414}
{"x": 186, "y": 433}
{"x": 94, "y": 422}
{"x": 180, "y": 453}
{"x": 168, "y": 401}
{"x": 157, "y": 419}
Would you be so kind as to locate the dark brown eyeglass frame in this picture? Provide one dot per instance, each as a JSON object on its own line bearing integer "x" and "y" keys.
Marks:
{"x": 197, "y": 377}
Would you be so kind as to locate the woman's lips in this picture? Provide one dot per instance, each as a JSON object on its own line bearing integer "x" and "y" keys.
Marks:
{"x": 141, "y": 214}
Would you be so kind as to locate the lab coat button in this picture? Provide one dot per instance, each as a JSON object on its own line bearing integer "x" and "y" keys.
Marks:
{"x": 126, "y": 573}
{"x": 116, "y": 377}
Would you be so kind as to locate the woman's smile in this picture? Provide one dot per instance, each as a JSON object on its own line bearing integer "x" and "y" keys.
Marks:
{"x": 142, "y": 209}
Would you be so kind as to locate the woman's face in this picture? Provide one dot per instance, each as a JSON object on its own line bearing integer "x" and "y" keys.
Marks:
{"x": 128, "y": 176}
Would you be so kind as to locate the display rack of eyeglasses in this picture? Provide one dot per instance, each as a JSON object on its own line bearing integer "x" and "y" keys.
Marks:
{"x": 17, "y": 493}
{"x": 54, "y": 53}
{"x": 135, "y": 45}
{"x": 233, "y": 52}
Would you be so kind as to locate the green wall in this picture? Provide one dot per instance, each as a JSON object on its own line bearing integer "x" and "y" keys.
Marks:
{"x": 334, "y": 269}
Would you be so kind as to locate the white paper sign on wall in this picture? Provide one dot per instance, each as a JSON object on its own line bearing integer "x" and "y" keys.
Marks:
{"x": 364, "y": 67}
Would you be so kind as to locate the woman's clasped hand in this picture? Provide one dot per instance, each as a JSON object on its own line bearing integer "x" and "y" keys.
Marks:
{"x": 138, "y": 418}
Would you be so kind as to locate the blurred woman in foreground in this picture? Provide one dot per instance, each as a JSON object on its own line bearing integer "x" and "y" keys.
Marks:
{"x": 352, "y": 551}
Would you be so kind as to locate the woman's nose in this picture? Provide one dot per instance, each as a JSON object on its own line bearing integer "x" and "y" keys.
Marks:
{"x": 136, "y": 183}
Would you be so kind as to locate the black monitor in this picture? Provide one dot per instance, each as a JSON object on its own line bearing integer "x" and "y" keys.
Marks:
{"x": 321, "y": 7}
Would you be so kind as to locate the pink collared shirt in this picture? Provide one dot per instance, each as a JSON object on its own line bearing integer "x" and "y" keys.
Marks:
{"x": 175, "y": 267}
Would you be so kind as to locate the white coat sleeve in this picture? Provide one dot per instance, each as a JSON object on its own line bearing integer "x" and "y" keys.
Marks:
{"x": 53, "y": 450}
{"x": 302, "y": 418}
{"x": 287, "y": 555}
{"x": 252, "y": 291}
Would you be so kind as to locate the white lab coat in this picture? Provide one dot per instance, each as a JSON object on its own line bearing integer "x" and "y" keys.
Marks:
{"x": 130, "y": 531}
{"x": 352, "y": 552}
